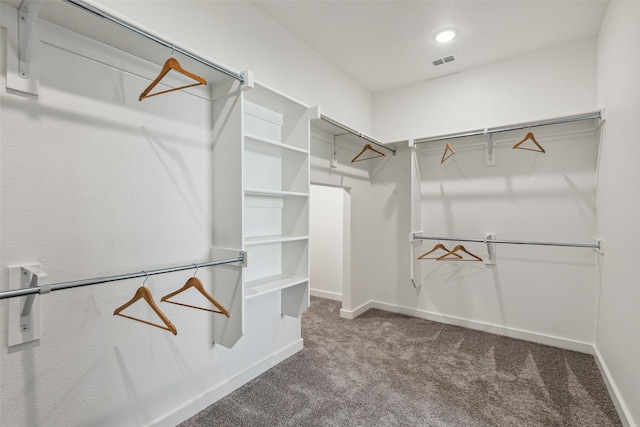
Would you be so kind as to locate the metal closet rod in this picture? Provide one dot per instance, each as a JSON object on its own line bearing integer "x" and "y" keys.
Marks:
{"x": 98, "y": 280}
{"x": 511, "y": 242}
{"x": 588, "y": 116}
{"x": 102, "y": 14}
{"x": 356, "y": 133}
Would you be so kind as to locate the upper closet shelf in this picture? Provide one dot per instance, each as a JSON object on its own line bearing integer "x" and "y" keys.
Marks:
{"x": 112, "y": 17}
{"x": 93, "y": 20}
{"x": 598, "y": 115}
{"x": 336, "y": 128}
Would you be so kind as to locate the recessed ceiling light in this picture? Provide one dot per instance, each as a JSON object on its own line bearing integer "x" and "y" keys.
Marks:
{"x": 444, "y": 36}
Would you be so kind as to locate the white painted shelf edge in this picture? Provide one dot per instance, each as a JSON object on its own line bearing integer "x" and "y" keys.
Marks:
{"x": 275, "y": 193}
{"x": 264, "y": 240}
{"x": 275, "y": 143}
{"x": 272, "y": 283}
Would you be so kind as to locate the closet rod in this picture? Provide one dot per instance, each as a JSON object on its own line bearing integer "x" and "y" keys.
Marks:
{"x": 596, "y": 245}
{"x": 581, "y": 117}
{"x": 356, "y": 133}
{"x": 98, "y": 280}
{"x": 102, "y": 14}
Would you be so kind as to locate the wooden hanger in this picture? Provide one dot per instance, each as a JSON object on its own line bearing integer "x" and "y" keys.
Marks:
{"x": 144, "y": 293}
{"x": 171, "y": 64}
{"x": 367, "y": 147}
{"x": 194, "y": 282}
{"x": 435, "y": 248}
{"x": 444, "y": 155}
{"x": 530, "y": 136}
{"x": 453, "y": 252}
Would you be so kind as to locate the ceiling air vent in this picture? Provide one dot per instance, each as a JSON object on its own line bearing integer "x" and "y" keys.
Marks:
{"x": 445, "y": 60}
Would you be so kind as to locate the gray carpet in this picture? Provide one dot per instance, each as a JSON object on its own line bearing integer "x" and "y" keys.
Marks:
{"x": 385, "y": 369}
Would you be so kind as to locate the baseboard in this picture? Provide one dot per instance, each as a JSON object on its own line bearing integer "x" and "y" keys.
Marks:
{"x": 621, "y": 407}
{"x": 326, "y": 295}
{"x": 352, "y": 314}
{"x": 221, "y": 390}
{"x": 564, "y": 343}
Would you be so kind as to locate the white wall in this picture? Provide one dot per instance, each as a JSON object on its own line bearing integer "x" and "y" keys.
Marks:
{"x": 327, "y": 241}
{"x": 240, "y": 35}
{"x": 618, "y": 201}
{"x": 546, "y": 84}
{"x": 96, "y": 183}
{"x": 355, "y": 178}
{"x": 542, "y": 293}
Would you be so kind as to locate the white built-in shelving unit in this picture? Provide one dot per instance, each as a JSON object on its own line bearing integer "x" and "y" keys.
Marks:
{"x": 261, "y": 189}
{"x": 276, "y": 198}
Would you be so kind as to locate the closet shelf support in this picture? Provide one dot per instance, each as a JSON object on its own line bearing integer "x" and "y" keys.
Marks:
{"x": 577, "y": 118}
{"x": 45, "y": 288}
{"x": 37, "y": 280}
{"x": 27, "y": 15}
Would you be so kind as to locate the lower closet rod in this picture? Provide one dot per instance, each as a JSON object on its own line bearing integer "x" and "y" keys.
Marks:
{"x": 512, "y": 242}
{"x": 95, "y": 281}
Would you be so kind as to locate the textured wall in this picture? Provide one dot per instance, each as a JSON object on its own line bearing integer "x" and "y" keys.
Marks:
{"x": 618, "y": 201}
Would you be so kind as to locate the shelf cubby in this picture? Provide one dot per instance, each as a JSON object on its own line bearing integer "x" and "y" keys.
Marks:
{"x": 273, "y": 261}
{"x": 278, "y": 216}
{"x": 272, "y": 166}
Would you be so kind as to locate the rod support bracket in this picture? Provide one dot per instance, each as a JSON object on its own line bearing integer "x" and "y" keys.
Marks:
{"x": 491, "y": 249}
{"x": 489, "y": 152}
{"x": 27, "y": 15}
{"x": 34, "y": 278}
{"x": 600, "y": 243}
{"x": 244, "y": 255}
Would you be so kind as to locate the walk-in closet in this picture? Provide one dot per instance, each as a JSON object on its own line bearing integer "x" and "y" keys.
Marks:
{"x": 319, "y": 213}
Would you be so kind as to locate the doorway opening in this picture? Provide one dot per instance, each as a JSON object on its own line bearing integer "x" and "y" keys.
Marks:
{"x": 330, "y": 242}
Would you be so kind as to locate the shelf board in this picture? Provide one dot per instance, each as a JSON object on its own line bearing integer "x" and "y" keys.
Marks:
{"x": 274, "y": 100}
{"x": 264, "y": 240}
{"x": 273, "y": 193}
{"x": 272, "y": 284}
{"x": 277, "y": 147}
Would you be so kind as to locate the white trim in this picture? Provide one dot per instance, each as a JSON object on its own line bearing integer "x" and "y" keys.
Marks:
{"x": 553, "y": 341}
{"x": 326, "y": 295}
{"x": 216, "y": 393}
{"x": 352, "y": 314}
{"x": 614, "y": 393}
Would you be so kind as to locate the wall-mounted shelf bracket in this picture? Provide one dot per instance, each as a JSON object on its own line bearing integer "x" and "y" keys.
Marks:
{"x": 27, "y": 15}
{"x": 491, "y": 249}
{"x": 334, "y": 160}
{"x": 24, "y": 312}
{"x": 489, "y": 152}
{"x": 32, "y": 278}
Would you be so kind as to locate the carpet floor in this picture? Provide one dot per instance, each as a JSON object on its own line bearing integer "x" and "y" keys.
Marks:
{"x": 387, "y": 369}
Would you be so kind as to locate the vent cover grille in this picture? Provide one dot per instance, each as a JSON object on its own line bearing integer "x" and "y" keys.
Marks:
{"x": 444, "y": 60}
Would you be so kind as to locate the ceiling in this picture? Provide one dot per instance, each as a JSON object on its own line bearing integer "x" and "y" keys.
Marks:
{"x": 384, "y": 44}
